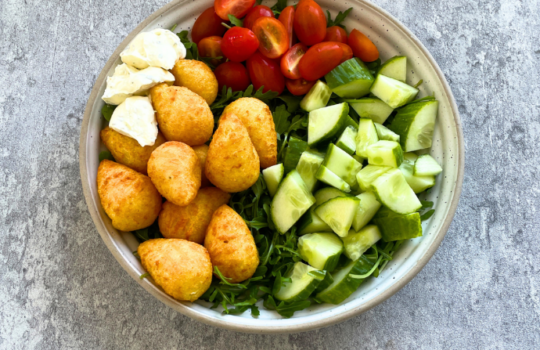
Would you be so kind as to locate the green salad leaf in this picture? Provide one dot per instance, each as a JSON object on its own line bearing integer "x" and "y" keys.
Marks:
{"x": 106, "y": 155}
{"x": 236, "y": 21}
{"x": 339, "y": 18}
{"x": 107, "y": 111}
{"x": 278, "y": 7}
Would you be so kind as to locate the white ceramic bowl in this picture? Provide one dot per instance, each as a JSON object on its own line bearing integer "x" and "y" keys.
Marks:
{"x": 391, "y": 38}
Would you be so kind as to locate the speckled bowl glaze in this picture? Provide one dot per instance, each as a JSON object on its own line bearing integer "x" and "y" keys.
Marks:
{"x": 392, "y": 38}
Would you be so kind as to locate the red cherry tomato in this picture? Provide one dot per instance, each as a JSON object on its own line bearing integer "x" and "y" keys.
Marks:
{"x": 347, "y": 52}
{"x": 239, "y": 44}
{"x": 237, "y": 8}
{"x": 256, "y": 13}
{"x": 309, "y": 22}
{"x": 319, "y": 60}
{"x": 211, "y": 47}
{"x": 233, "y": 75}
{"x": 264, "y": 71}
{"x": 289, "y": 61}
{"x": 336, "y": 34}
{"x": 208, "y": 24}
{"x": 287, "y": 18}
{"x": 299, "y": 87}
{"x": 362, "y": 47}
{"x": 272, "y": 35}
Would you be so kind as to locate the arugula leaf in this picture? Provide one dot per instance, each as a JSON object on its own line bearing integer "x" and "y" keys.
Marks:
{"x": 374, "y": 66}
{"x": 288, "y": 309}
{"x": 281, "y": 120}
{"x": 107, "y": 111}
{"x": 148, "y": 233}
{"x": 235, "y": 21}
{"x": 339, "y": 18}
{"x": 258, "y": 2}
{"x": 426, "y": 205}
{"x": 427, "y": 215}
{"x": 224, "y": 279}
{"x": 192, "y": 51}
{"x": 105, "y": 155}
{"x": 292, "y": 102}
{"x": 278, "y": 7}
{"x": 227, "y": 96}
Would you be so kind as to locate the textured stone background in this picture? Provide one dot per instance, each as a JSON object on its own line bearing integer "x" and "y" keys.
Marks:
{"x": 61, "y": 288}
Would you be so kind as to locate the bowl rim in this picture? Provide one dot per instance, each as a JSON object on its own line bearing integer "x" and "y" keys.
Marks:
{"x": 301, "y": 327}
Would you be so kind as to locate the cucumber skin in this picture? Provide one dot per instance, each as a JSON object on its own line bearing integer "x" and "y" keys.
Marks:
{"x": 404, "y": 119}
{"x": 303, "y": 295}
{"x": 323, "y": 92}
{"x": 294, "y": 151}
{"x": 328, "y": 280}
{"x": 393, "y": 220}
{"x": 354, "y": 69}
{"x": 342, "y": 123}
{"x": 307, "y": 219}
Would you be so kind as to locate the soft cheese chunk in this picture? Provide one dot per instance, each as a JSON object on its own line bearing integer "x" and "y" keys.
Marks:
{"x": 135, "y": 118}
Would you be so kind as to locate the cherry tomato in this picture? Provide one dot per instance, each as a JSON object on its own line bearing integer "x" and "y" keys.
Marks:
{"x": 347, "y": 52}
{"x": 256, "y": 13}
{"x": 287, "y": 18}
{"x": 264, "y": 71}
{"x": 208, "y": 24}
{"x": 211, "y": 47}
{"x": 319, "y": 60}
{"x": 299, "y": 87}
{"x": 233, "y": 75}
{"x": 289, "y": 61}
{"x": 237, "y": 8}
{"x": 336, "y": 34}
{"x": 239, "y": 44}
{"x": 272, "y": 35}
{"x": 309, "y": 22}
{"x": 362, "y": 47}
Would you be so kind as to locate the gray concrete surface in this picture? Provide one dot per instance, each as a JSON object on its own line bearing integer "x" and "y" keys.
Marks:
{"x": 61, "y": 288}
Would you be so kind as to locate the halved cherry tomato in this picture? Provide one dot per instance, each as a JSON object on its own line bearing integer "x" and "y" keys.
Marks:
{"x": 211, "y": 47}
{"x": 336, "y": 34}
{"x": 237, "y": 8}
{"x": 272, "y": 35}
{"x": 309, "y": 22}
{"x": 319, "y": 60}
{"x": 239, "y": 44}
{"x": 287, "y": 18}
{"x": 256, "y": 13}
{"x": 264, "y": 71}
{"x": 289, "y": 61}
{"x": 299, "y": 87}
{"x": 208, "y": 24}
{"x": 233, "y": 75}
{"x": 362, "y": 47}
{"x": 347, "y": 52}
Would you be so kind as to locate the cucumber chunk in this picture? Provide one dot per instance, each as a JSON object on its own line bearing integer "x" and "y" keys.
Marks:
{"x": 291, "y": 201}
{"x": 347, "y": 140}
{"x": 325, "y": 194}
{"x": 356, "y": 243}
{"x": 368, "y": 207}
{"x": 311, "y": 223}
{"x": 302, "y": 283}
{"x": 350, "y": 122}
{"x": 371, "y": 108}
{"x": 329, "y": 178}
{"x": 425, "y": 165}
{"x": 393, "y": 191}
{"x": 370, "y": 173}
{"x": 321, "y": 250}
{"x": 393, "y": 92}
{"x": 272, "y": 177}
{"x": 366, "y": 136}
{"x": 418, "y": 183}
{"x": 339, "y": 213}
{"x": 395, "y": 68}
{"x": 317, "y": 97}
{"x": 396, "y": 227}
{"x": 307, "y": 167}
{"x": 386, "y": 134}
{"x": 293, "y": 153}
{"x": 342, "y": 164}
{"x": 385, "y": 153}
{"x": 351, "y": 79}
{"x": 415, "y": 123}
{"x": 328, "y": 280}
{"x": 325, "y": 123}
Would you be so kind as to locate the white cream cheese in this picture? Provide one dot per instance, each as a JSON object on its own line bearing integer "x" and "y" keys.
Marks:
{"x": 135, "y": 118}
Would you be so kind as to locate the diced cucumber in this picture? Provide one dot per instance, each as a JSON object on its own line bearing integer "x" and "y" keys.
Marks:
{"x": 272, "y": 177}
{"x": 366, "y": 210}
{"x": 339, "y": 213}
{"x": 426, "y": 166}
{"x": 370, "y": 173}
{"x": 317, "y": 97}
{"x": 385, "y": 153}
{"x": 351, "y": 79}
{"x": 326, "y": 123}
{"x": 356, "y": 243}
{"x": 393, "y": 191}
{"x": 366, "y": 136}
{"x": 395, "y": 68}
{"x": 342, "y": 164}
{"x": 347, "y": 140}
{"x": 321, "y": 250}
{"x": 418, "y": 183}
{"x": 386, "y": 134}
{"x": 311, "y": 222}
{"x": 395, "y": 227}
{"x": 393, "y": 92}
{"x": 344, "y": 285}
{"x": 294, "y": 151}
{"x": 328, "y": 280}
{"x": 371, "y": 108}
{"x": 307, "y": 167}
{"x": 291, "y": 201}
{"x": 415, "y": 123}
{"x": 328, "y": 177}
{"x": 302, "y": 283}
{"x": 327, "y": 193}
{"x": 350, "y": 122}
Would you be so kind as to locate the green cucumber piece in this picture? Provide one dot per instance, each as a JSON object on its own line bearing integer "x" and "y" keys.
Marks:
{"x": 302, "y": 283}
{"x": 386, "y": 134}
{"x": 393, "y": 191}
{"x": 311, "y": 223}
{"x": 366, "y": 136}
{"x": 294, "y": 151}
{"x": 395, "y": 68}
{"x": 272, "y": 177}
{"x": 347, "y": 140}
{"x": 325, "y": 123}
{"x": 291, "y": 201}
{"x": 396, "y": 227}
{"x": 393, "y": 92}
{"x": 418, "y": 183}
{"x": 385, "y": 153}
{"x": 307, "y": 167}
{"x": 320, "y": 250}
{"x": 342, "y": 164}
{"x": 339, "y": 213}
{"x": 317, "y": 97}
{"x": 415, "y": 123}
{"x": 369, "y": 205}
{"x": 328, "y": 280}
{"x": 351, "y": 79}
{"x": 370, "y": 173}
{"x": 327, "y": 193}
{"x": 425, "y": 165}
{"x": 356, "y": 243}
{"x": 349, "y": 121}
{"x": 371, "y": 108}
{"x": 329, "y": 178}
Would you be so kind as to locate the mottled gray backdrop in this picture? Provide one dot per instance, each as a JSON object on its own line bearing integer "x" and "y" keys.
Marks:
{"x": 61, "y": 288}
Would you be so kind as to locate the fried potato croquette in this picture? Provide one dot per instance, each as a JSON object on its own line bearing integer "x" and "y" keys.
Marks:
{"x": 232, "y": 163}
{"x": 190, "y": 222}
{"x": 202, "y": 153}
{"x": 127, "y": 151}
{"x": 182, "y": 115}
{"x": 129, "y": 198}
{"x": 176, "y": 171}
{"x": 258, "y": 120}
{"x": 196, "y": 76}
{"x": 231, "y": 246}
{"x": 183, "y": 269}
